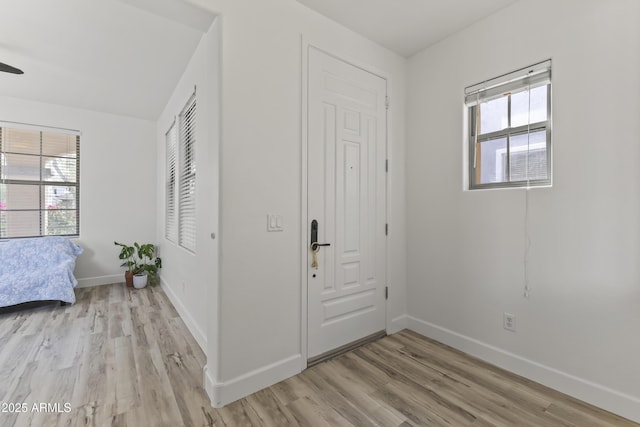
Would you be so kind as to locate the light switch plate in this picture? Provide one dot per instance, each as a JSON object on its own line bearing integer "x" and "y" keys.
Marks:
{"x": 274, "y": 222}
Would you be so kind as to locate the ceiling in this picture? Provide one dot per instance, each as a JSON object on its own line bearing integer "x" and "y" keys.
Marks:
{"x": 406, "y": 26}
{"x": 116, "y": 56}
{"x": 125, "y": 56}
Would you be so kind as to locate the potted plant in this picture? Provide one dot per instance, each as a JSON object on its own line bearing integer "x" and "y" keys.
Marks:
{"x": 147, "y": 265}
{"x": 141, "y": 263}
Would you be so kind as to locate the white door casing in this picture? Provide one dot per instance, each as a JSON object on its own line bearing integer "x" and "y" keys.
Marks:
{"x": 346, "y": 194}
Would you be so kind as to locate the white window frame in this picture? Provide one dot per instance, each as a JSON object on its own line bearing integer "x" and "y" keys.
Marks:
{"x": 42, "y": 183}
{"x": 527, "y": 78}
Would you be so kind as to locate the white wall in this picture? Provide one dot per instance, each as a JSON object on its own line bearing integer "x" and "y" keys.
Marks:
{"x": 260, "y": 279}
{"x": 117, "y": 181}
{"x": 579, "y": 330}
{"x": 190, "y": 279}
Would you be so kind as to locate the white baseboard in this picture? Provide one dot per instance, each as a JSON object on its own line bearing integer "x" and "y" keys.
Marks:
{"x": 87, "y": 282}
{"x": 397, "y": 324}
{"x": 596, "y": 394}
{"x": 223, "y": 393}
{"x": 209, "y": 383}
{"x": 187, "y": 318}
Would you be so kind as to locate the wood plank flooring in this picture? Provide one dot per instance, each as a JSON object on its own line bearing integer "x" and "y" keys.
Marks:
{"x": 121, "y": 357}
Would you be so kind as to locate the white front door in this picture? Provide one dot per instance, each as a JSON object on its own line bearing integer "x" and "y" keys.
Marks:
{"x": 347, "y": 130}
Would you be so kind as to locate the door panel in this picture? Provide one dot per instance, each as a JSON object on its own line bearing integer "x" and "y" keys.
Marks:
{"x": 347, "y": 196}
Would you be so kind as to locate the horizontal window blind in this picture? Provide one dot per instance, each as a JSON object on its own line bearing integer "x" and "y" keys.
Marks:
{"x": 171, "y": 223}
{"x": 525, "y": 78}
{"x": 187, "y": 197}
{"x": 39, "y": 182}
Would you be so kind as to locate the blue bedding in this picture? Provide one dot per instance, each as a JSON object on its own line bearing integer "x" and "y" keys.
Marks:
{"x": 37, "y": 269}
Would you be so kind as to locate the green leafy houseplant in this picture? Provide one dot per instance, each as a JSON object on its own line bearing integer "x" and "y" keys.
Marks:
{"x": 139, "y": 259}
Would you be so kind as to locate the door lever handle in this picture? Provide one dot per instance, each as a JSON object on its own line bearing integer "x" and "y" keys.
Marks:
{"x": 316, "y": 245}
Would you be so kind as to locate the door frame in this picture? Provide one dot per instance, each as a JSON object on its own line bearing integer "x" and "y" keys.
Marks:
{"x": 306, "y": 44}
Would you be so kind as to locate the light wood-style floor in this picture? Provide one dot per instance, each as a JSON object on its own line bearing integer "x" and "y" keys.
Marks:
{"x": 124, "y": 358}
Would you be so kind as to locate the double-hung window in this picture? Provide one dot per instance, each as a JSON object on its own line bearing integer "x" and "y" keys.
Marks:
{"x": 510, "y": 129}
{"x": 39, "y": 181}
{"x": 180, "y": 218}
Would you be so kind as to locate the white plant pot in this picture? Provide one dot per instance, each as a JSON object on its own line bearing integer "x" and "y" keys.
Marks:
{"x": 139, "y": 281}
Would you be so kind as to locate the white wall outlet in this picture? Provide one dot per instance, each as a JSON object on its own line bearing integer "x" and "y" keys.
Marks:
{"x": 509, "y": 322}
{"x": 274, "y": 222}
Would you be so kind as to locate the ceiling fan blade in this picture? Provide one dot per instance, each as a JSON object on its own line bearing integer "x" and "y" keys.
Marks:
{"x": 9, "y": 69}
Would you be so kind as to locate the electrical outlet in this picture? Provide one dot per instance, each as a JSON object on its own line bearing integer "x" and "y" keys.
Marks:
{"x": 509, "y": 322}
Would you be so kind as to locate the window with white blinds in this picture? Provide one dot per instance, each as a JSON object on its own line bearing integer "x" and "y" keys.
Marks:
{"x": 510, "y": 129}
{"x": 39, "y": 182}
{"x": 171, "y": 223}
{"x": 187, "y": 179}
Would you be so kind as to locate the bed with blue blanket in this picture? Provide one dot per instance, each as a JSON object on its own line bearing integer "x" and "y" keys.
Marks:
{"x": 37, "y": 269}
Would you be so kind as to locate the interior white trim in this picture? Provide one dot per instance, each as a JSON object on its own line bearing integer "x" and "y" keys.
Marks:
{"x": 304, "y": 213}
{"x": 87, "y": 282}
{"x": 192, "y": 325}
{"x": 209, "y": 382}
{"x": 590, "y": 392}
{"x": 225, "y": 392}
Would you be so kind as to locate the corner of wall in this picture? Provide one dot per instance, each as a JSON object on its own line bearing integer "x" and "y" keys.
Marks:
{"x": 397, "y": 324}
{"x": 225, "y": 392}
